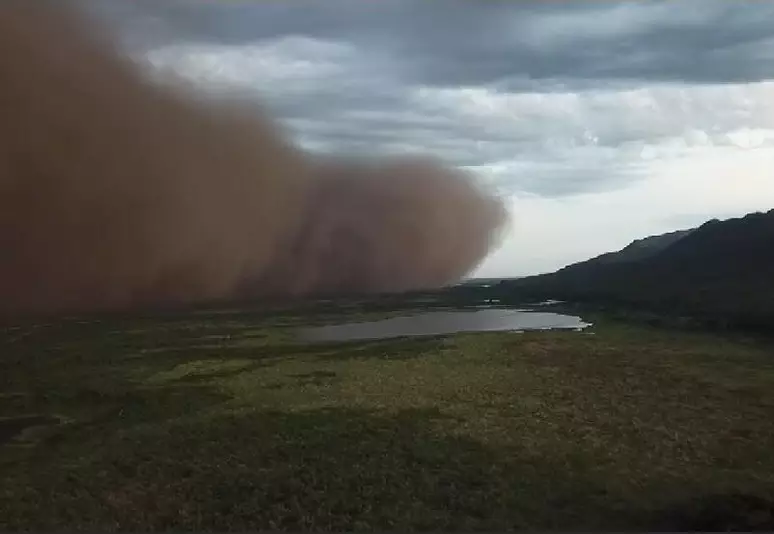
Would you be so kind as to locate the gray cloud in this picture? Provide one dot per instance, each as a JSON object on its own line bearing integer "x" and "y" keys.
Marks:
{"x": 543, "y": 98}
{"x": 464, "y": 43}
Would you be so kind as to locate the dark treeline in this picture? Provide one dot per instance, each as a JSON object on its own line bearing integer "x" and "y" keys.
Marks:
{"x": 719, "y": 274}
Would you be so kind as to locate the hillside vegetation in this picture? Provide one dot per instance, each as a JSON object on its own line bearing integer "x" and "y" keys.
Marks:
{"x": 722, "y": 271}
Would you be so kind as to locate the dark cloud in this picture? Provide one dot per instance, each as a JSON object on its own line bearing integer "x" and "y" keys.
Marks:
{"x": 461, "y": 43}
{"x": 547, "y": 98}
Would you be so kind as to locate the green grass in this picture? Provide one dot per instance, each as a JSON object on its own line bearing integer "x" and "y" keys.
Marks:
{"x": 224, "y": 422}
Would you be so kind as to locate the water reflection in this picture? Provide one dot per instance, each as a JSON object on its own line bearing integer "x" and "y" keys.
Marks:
{"x": 444, "y": 322}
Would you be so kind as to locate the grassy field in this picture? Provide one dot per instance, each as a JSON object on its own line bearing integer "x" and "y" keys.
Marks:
{"x": 222, "y": 421}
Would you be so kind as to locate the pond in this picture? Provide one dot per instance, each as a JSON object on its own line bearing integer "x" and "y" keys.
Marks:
{"x": 444, "y": 322}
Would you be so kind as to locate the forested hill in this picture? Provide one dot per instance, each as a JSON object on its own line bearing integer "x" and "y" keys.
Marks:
{"x": 722, "y": 269}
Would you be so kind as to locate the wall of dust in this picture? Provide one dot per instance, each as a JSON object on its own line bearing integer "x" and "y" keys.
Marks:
{"x": 117, "y": 192}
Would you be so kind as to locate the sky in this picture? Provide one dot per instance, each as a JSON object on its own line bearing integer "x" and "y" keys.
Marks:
{"x": 599, "y": 122}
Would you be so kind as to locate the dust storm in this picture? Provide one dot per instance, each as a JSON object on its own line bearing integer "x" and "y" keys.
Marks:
{"x": 117, "y": 192}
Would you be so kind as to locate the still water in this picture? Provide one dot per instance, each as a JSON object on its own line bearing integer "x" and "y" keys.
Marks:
{"x": 444, "y": 322}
